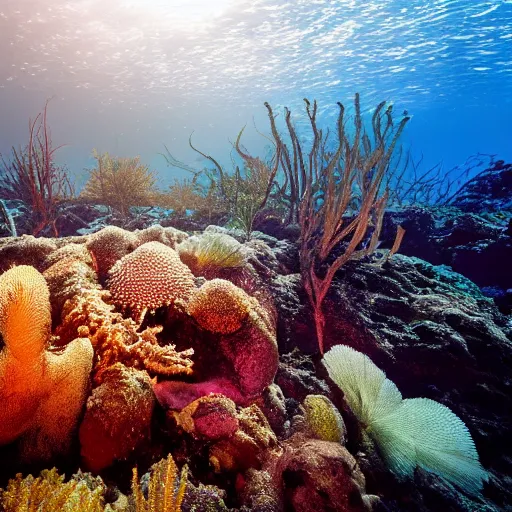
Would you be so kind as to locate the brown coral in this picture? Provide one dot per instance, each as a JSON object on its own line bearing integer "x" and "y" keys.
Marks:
{"x": 247, "y": 447}
{"x": 108, "y": 246}
{"x": 25, "y": 250}
{"x": 219, "y": 306}
{"x": 118, "y": 417}
{"x": 150, "y": 277}
{"x": 42, "y": 390}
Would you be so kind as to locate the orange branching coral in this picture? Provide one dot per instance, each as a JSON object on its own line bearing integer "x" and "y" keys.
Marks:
{"x": 42, "y": 389}
{"x": 119, "y": 342}
{"x": 150, "y": 277}
{"x": 116, "y": 339}
{"x": 165, "y": 490}
{"x": 221, "y": 307}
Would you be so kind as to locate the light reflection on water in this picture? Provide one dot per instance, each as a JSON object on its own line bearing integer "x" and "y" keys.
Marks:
{"x": 178, "y": 56}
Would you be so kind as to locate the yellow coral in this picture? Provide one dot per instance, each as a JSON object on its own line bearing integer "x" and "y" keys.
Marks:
{"x": 120, "y": 183}
{"x": 42, "y": 390}
{"x": 48, "y": 493}
{"x": 219, "y": 306}
{"x": 165, "y": 490}
{"x": 150, "y": 277}
{"x": 323, "y": 420}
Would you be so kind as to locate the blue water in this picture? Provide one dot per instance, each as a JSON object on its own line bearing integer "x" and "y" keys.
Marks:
{"x": 128, "y": 76}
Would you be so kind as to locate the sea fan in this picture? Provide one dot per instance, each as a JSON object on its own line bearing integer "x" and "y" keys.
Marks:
{"x": 409, "y": 433}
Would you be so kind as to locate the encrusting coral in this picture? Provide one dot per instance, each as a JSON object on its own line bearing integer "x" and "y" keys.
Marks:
{"x": 150, "y": 277}
{"x": 42, "y": 388}
{"x": 117, "y": 420}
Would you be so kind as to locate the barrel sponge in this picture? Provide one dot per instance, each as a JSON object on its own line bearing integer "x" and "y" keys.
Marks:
{"x": 220, "y": 307}
{"x": 409, "y": 433}
{"x": 150, "y": 277}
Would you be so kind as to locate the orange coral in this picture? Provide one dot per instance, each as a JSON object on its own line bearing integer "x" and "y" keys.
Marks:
{"x": 119, "y": 342}
{"x": 118, "y": 417}
{"x": 219, "y": 306}
{"x": 41, "y": 390}
{"x": 150, "y": 277}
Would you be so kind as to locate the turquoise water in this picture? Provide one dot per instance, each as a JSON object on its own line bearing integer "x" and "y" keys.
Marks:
{"x": 128, "y": 76}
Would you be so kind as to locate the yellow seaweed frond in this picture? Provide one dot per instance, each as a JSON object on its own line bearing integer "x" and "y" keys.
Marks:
{"x": 165, "y": 490}
{"x": 48, "y": 493}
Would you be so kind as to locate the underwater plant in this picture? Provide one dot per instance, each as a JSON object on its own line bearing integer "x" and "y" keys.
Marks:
{"x": 48, "y": 493}
{"x": 120, "y": 183}
{"x": 337, "y": 196}
{"x": 411, "y": 432}
{"x": 166, "y": 489}
{"x": 32, "y": 176}
{"x": 241, "y": 194}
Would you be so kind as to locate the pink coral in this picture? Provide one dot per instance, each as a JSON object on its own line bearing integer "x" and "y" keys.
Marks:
{"x": 150, "y": 277}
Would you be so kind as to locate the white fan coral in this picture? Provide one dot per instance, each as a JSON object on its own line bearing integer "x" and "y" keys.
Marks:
{"x": 411, "y": 432}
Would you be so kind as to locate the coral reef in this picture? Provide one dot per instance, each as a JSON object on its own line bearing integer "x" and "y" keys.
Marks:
{"x": 42, "y": 388}
{"x": 200, "y": 377}
{"x": 118, "y": 416}
{"x": 150, "y": 277}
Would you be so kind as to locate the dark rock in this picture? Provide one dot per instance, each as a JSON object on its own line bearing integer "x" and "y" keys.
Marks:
{"x": 436, "y": 336}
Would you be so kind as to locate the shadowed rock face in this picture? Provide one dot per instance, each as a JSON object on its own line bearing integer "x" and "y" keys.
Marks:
{"x": 436, "y": 336}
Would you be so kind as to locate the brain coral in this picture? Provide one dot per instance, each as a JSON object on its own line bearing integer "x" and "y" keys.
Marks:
{"x": 150, "y": 277}
{"x": 219, "y": 306}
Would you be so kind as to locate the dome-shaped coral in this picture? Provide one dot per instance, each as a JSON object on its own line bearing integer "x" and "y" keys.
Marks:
{"x": 219, "y": 306}
{"x": 108, "y": 246}
{"x": 150, "y": 277}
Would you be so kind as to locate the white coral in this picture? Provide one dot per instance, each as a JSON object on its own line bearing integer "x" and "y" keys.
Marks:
{"x": 409, "y": 433}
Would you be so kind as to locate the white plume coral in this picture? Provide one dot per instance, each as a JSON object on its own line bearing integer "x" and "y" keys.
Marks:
{"x": 409, "y": 433}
